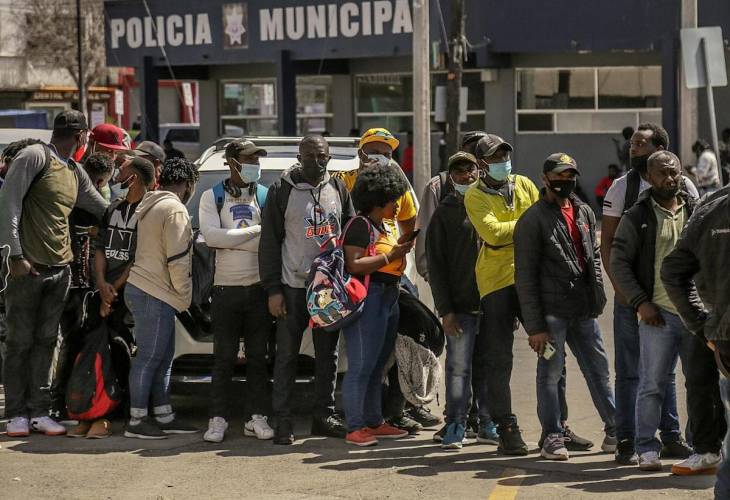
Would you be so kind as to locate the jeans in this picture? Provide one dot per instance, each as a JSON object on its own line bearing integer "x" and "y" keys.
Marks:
{"x": 154, "y": 330}
{"x": 240, "y": 311}
{"x": 288, "y": 342}
{"x": 660, "y": 349}
{"x": 722, "y": 486}
{"x": 461, "y": 354}
{"x": 500, "y": 309}
{"x": 626, "y": 344}
{"x": 33, "y": 306}
{"x": 370, "y": 341}
{"x": 584, "y": 339}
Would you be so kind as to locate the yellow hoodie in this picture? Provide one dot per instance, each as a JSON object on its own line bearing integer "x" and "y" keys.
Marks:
{"x": 495, "y": 223}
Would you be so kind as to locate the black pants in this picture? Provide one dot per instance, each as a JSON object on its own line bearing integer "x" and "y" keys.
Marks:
{"x": 394, "y": 403}
{"x": 33, "y": 306}
{"x": 704, "y": 407}
{"x": 500, "y": 308}
{"x": 240, "y": 311}
{"x": 288, "y": 343}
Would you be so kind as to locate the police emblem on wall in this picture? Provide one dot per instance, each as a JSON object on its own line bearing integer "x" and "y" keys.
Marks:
{"x": 235, "y": 26}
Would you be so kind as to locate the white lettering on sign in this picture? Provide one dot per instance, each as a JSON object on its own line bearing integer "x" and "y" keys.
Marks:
{"x": 175, "y": 30}
{"x": 349, "y": 19}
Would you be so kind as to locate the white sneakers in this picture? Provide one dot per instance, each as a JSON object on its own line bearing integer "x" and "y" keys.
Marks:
{"x": 697, "y": 463}
{"x": 258, "y": 427}
{"x": 217, "y": 427}
{"x": 649, "y": 461}
{"x": 18, "y": 427}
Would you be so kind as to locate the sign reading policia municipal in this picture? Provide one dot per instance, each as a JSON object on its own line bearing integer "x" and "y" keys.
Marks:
{"x": 225, "y": 32}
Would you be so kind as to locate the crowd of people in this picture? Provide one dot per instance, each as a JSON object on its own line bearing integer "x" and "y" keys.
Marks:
{"x": 496, "y": 251}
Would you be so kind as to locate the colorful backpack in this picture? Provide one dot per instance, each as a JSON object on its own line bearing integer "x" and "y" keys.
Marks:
{"x": 335, "y": 298}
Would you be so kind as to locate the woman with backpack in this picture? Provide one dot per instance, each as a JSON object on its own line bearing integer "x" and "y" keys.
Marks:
{"x": 373, "y": 255}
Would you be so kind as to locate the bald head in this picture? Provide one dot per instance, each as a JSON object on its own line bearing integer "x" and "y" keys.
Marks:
{"x": 664, "y": 173}
{"x": 311, "y": 143}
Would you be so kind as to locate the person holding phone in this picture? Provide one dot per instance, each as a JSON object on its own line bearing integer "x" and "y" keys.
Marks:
{"x": 560, "y": 288}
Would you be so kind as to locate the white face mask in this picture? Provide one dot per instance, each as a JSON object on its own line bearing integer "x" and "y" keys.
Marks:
{"x": 462, "y": 188}
{"x": 382, "y": 160}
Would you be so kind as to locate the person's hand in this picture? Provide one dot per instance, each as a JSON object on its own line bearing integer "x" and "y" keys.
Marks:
{"x": 21, "y": 267}
{"x": 105, "y": 309}
{"x": 538, "y": 341}
{"x": 107, "y": 292}
{"x": 650, "y": 314}
{"x": 452, "y": 328}
{"x": 399, "y": 251}
{"x": 277, "y": 305}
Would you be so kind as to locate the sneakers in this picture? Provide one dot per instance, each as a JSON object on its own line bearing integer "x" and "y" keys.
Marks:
{"x": 330, "y": 426}
{"x": 438, "y": 436}
{"x": 80, "y": 430}
{"x": 625, "y": 453}
{"x": 423, "y": 416}
{"x": 553, "y": 448}
{"x": 258, "y": 427}
{"x": 406, "y": 423}
{"x": 609, "y": 443}
{"x": 454, "y": 437}
{"x": 472, "y": 427}
{"x": 488, "y": 433}
{"x": 510, "y": 440}
{"x": 284, "y": 434}
{"x": 176, "y": 427}
{"x": 698, "y": 464}
{"x": 217, "y": 427}
{"x": 649, "y": 461}
{"x": 677, "y": 449}
{"x": 18, "y": 427}
{"x": 573, "y": 442}
{"x": 363, "y": 437}
{"x": 100, "y": 429}
{"x": 47, "y": 426}
{"x": 386, "y": 431}
{"x": 144, "y": 429}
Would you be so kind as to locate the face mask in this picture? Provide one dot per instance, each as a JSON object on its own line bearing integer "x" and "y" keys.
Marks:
{"x": 665, "y": 193}
{"x": 313, "y": 169}
{"x": 247, "y": 172}
{"x": 563, "y": 188}
{"x": 462, "y": 188}
{"x": 639, "y": 163}
{"x": 382, "y": 160}
{"x": 500, "y": 171}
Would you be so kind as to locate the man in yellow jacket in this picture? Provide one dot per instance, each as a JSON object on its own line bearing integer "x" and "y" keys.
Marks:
{"x": 494, "y": 205}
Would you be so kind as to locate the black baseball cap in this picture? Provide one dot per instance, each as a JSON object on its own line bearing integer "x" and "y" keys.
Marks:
{"x": 149, "y": 148}
{"x": 472, "y": 136}
{"x": 489, "y": 144}
{"x": 70, "y": 120}
{"x": 245, "y": 146}
{"x": 560, "y": 162}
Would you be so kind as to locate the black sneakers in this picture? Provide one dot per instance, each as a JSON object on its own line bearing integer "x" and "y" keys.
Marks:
{"x": 284, "y": 433}
{"x": 423, "y": 416}
{"x": 176, "y": 427}
{"x": 145, "y": 428}
{"x": 406, "y": 423}
{"x": 677, "y": 449}
{"x": 331, "y": 426}
{"x": 625, "y": 453}
{"x": 573, "y": 442}
{"x": 510, "y": 439}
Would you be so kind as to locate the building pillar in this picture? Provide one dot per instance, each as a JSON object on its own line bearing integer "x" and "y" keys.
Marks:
{"x": 286, "y": 93}
{"x": 670, "y": 88}
{"x": 688, "y": 114}
{"x": 149, "y": 100}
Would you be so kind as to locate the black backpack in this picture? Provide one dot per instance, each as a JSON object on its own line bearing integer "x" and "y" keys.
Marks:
{"x": 419, "y": 323}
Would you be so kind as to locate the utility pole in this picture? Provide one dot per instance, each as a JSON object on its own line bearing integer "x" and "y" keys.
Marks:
{"x": 421, "y": 96}
{"x": 80, "y": 47}
{"x": 454, "y": 77}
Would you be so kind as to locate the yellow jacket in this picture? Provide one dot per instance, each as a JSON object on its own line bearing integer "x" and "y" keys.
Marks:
{"x": 495, "y": 222}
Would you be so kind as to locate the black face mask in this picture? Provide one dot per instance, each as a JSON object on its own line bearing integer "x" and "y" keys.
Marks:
{"x": 639, "y": 163}
{"x": 665, "y": 193}
{"x": 313, "y": 170}
{"x": 563, "y": 188}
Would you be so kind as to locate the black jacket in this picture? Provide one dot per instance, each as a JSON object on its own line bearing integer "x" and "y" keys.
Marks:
{"x": 452, "y": 247}
{"x": 702, "y": 252}
{"x": 548, "y": 275}
{"x": 634, "y": 248}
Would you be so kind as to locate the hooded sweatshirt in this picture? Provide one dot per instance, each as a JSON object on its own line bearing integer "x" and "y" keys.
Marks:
{"x": 163, "y": 261}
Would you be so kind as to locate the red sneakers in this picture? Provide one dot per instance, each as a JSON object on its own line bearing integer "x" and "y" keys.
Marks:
{"x": 386, "y": 431}
{"x": 363, "y": 437}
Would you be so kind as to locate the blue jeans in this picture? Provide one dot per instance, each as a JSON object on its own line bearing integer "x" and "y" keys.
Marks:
{"x": 154, "y": 330}
{"x": 722, "y": 486}
{"x": 460, "y": 353}
{"x": 369, "y": 341}
{"x": 626, "y": 344}
{"x": 584, "y": 339}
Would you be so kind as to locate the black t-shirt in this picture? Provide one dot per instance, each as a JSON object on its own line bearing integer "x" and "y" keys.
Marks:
{"x": 118, "y": 238}
{"x": 358, "y": 235}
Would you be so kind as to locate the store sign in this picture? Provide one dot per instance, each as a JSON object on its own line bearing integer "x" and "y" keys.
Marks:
{"x": 225, "y": 31}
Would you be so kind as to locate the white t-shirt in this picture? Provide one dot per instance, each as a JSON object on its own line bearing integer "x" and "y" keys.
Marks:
{"x": 235, "y": 236}
{"x": 613, "y": 203}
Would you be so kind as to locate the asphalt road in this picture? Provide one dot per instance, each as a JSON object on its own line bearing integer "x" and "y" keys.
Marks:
{"x": 186, "y": 467}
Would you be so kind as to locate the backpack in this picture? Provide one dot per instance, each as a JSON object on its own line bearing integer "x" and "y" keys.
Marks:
{"x": 93, "y": 390}
{"x": 420, "y": 324}
{"x": 219, "y": 193}
{"x": 335, "y": 298}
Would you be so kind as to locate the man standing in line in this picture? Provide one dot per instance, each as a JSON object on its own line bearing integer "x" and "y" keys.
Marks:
{"x": 560, "y": 286}
{"x": 39, "y": 193}
{"x": 621, "y": 196}
{"x": 304, "y": 210}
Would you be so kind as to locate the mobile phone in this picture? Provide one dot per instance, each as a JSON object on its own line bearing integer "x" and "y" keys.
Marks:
{"x": 549, "y": 351}
{"x": 412, "y": 236}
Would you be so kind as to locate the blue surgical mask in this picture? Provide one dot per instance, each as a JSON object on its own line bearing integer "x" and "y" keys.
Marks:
{"x": 382, "y": 160}
{"x": 462, "y": 188}
{"x": 250, "y": 173}
{"x": 500, "y": 171}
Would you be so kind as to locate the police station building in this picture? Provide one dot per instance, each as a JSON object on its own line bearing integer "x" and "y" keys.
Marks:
{"x": 564, "y": 75}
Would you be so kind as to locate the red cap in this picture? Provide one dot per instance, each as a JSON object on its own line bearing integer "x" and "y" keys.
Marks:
{"x": 110, "y": 136}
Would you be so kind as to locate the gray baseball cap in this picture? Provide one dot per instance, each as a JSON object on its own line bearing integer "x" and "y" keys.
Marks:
{"x": 489, "y": 144}
{"x": 149, "y": 148}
